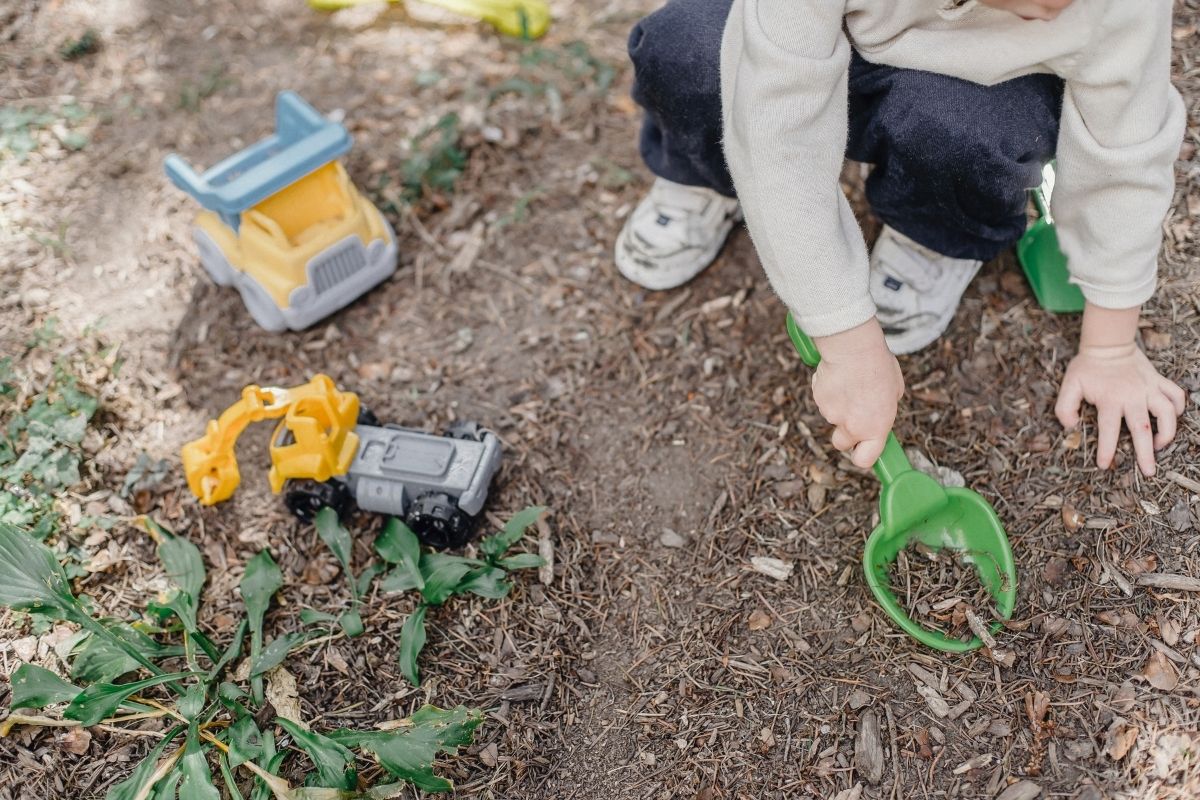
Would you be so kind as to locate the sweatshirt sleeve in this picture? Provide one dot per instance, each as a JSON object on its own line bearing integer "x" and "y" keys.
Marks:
{"x": 784, "y": 74}
{"x": 1122, "y": 125}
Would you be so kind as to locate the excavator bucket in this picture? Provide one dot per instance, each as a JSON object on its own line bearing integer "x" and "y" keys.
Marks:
{"x": 315, "y": 438}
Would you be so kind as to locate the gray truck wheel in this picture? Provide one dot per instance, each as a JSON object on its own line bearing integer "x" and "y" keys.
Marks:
{"x": 306, "y": 498}
{"x": 439, "y": 522}
{"x": 260, "y": 305}
{"x": 213, "y": 259}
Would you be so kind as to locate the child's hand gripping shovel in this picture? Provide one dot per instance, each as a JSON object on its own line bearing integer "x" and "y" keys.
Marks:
{"x": 914, "y": 507}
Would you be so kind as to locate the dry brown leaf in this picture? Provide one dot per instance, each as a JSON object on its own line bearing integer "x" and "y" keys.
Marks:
{"x": 1021, "y": 790}
{"x": 1118, "y": 619}
{"x": 1055, "y": 570}
{"x": 1159, "y": 672}
{"x": 816, "y": 496}
{"x": 1137, "y": 565}
{"x": 76, "y": 740}
{"x": 759, "y": 620}
{"x": 1120, "y": 739}
{"x": 283, "y": 696}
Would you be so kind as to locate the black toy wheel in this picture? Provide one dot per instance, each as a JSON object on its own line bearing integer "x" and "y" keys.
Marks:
{"x": 367, "y": 417}
{"x": 439, "y": 522}
{"x": 465, "y": 429}
{"x": 306, "y": 498}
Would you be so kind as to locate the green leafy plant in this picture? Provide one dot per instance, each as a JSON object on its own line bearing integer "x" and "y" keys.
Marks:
{"x": 436, "y": 161}
{"x": 440, "y": 576}
{"x": 337, "y": 538}
{"x": 85, "y": 44}
{"x": 39, "y": 451}
{"x": 212, "y": 724}
{"x": 22, "y": 128}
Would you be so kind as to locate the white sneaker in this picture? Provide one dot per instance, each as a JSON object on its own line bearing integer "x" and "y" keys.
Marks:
{"x": 674, "y": 234}
{"x": 916, "y": 291}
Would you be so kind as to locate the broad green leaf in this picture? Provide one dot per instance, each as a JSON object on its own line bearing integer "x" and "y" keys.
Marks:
{"x": 168, "y": 786}
{"x": 244, "y": 740}
{"x": 412, "y": 641}
{"x": 98, "y": 659}
{"x": 442, "y": 573}
{"x": 363, "y": 581}
{"x": 139, "y": 783}
{"x": 311, "y": 616}
{"x": 497, "y": 544}
{"x": 31, "y": 579}
{"x": 197, "y": 777}
{"x": 334, "y": 763}
{"x": 401, "y": 580}
{"x": 230, "y": 782}
{"x": 261, "y": 580}
{"x": 409, "y": 752}
{"x": 352, "y": 623}
{"x": 399, "y": 545}
{"x": 231, "y": 653}
{"x": 38, "y": 687}
{"x": 269, "y": 762}
{"x": 335, "y": 536}
{"x": 274, "y": 653}
{"x": 522, "y": 561}
{"x": 101, "y": 700}
{"x": 185, "y": 570}
{"x": 229, "y": 694}
{"x": 192, "y": 702}
{"x": 486, "y": 582}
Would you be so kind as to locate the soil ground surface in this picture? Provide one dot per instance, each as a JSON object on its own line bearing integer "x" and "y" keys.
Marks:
{"x": 672, "y": 435}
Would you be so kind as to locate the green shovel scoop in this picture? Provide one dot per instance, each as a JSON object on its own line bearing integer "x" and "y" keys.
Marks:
{"x": 1043, "y": 260}
{"x": 915, "y": 507}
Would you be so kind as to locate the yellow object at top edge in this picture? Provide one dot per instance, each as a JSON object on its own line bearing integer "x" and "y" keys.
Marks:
{"x": 315, "y": 438}
{"x": 524, "y": 19}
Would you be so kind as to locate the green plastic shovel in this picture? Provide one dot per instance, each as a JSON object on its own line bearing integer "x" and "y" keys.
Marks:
{"x": 1043, "y": 260}
{"x": 915, "y": 507}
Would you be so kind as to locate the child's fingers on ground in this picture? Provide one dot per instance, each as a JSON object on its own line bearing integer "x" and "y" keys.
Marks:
{"x": 1163, "y": 409}
{"x": 1137, "y": 419}
{"x": 867, "y": 452}
{"x": 1070, "y": 396}
{"x": 1108, "y": 421}
{"x": 1176, "y": 395}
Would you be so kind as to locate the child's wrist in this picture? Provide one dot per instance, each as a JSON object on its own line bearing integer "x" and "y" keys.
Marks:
{"x": 1108, "y": 330}
{"x": 861, "y": 340}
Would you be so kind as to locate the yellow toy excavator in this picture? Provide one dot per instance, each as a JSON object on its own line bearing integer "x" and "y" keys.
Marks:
{"x": 327, "y": 451}
{"x": 314, "y": 440}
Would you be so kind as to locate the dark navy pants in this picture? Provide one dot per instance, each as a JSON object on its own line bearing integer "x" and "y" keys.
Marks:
{"x": 952, "y": 159}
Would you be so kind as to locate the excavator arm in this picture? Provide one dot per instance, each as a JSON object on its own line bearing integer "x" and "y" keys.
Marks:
{"x": 315, "y": 438}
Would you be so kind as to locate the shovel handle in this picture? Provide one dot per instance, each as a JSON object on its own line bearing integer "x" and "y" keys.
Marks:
{"x": 891, "y": 462}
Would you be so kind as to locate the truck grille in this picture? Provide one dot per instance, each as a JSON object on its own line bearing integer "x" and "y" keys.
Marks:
{"x": 337, "y": 265}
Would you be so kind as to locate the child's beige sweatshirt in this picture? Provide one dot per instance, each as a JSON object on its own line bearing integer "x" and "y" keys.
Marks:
{"x": 784, "y": 95}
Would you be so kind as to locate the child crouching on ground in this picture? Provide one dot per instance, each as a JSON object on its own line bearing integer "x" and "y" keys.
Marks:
{"x": 751, "y": 106}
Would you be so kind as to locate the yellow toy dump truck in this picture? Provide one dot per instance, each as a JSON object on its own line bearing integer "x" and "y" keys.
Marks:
{"x": 284, "y": 225}
{"x": 327, "y": 451}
